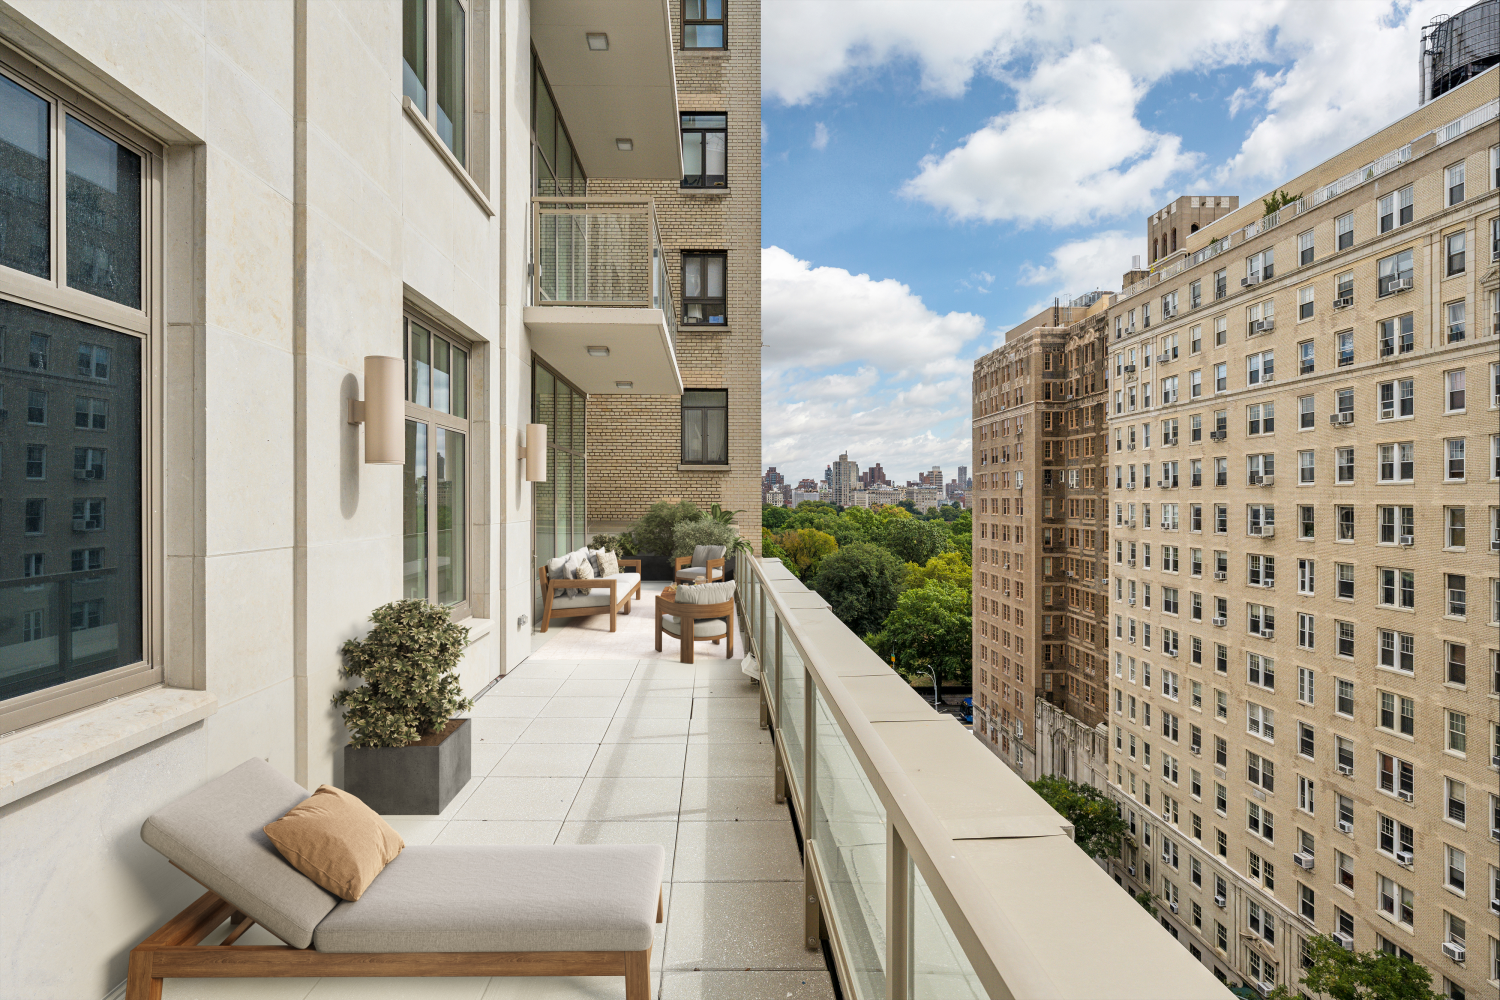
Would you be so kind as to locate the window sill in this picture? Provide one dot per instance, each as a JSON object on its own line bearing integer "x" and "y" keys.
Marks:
{"x": 54, "y": 751}
{"x": 722, "y": 192}
{"x": 446, "y": 155}
{"x": 704, "y": 468}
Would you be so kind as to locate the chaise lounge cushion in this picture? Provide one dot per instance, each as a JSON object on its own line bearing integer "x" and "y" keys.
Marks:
{"x": 485, "y": 899}
{"x": 597, "y": 597}
{"x": 214, "y": 834}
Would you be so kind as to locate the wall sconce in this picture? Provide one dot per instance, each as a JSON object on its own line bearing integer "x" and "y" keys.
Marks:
{"x": 535, "y": 453}
{"x": 383, "y": 411}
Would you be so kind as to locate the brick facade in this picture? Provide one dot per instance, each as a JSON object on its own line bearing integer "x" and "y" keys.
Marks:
{"x": 634, "y": 442}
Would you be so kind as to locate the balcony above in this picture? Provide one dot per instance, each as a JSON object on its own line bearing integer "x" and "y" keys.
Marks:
{"x": 627, "y": 91}
{"x": 601, "y": 311}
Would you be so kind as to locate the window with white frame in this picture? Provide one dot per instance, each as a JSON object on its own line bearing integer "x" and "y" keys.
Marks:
{"x": 1454, "y": 447}
{"x": 1305, "y": 303}
{"x": 1398, "y": 650}
{"x": 1260, "y": 671}
{"x": 1395, "y": 273}
{"x": 1398, "y": 713}
{"x": 1306, "y": 630}
{"x": 1455, "y": 245}
{"x": 1397, "y": 399}
{"x": 1395, "y": 775}
{"x": 1343, "y": 231}
{"x": 1397, "y": 587}
{"x": 1453, "y": 183}
{"x": 1395, "y": 209}
{"x": 1260, "y": 721}
{"x": 1397, "y": 461}
{"x": 435, "y": 562}
{"x": 1260, "y": 367}
{"x": 1397, "y": 524}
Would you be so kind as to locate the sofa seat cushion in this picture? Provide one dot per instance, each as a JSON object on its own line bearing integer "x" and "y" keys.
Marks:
{"x": 524, "y": 898}
{"x": 215, "y": 835}
{"x": 691, "y": 573}
{"x": 597, "y": 597}
{"x": 703, "y": 628}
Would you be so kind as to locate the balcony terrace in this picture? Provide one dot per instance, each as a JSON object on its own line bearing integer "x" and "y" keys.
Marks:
{"x": 926, "y": 865}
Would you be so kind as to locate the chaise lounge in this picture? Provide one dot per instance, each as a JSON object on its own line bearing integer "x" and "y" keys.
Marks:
{"x": 432, "y": 911}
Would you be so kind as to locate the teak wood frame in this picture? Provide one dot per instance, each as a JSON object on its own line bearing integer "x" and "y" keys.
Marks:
{"x": 618, "y": 604}
{"x": 688, "y": 616}
{"x": 684, "y": 562}
{"x": 176, "y": 951}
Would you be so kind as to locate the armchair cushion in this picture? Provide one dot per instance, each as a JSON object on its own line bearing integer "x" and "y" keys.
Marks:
{"x": 691, "y": 573}
{"x": 703, "y": 553}
{"x": 703, "y": 628}
{"x": 706, "y": 593}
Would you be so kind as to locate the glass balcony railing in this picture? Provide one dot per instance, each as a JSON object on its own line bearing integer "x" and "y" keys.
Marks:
{"x": 601, "y": 252}
{"x": 930, "y": 868}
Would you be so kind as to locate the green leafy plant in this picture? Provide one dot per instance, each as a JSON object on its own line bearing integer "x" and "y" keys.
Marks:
{"x": 949, "y": 566}
{"x": 915, "y": 540}
{"x": 806, "y": 548}
{"x": 718, "y": 514}
{"x": 653, "y": 532}
{"x": 1275, "y": 203}
{"x": 687, "y": 535}
{"x": 621, "y": 545}
{"x": 1097, "y": 826}
{"x": 930, "y": 630}
{"x": 861, "y": 582}
{"x": 409, "y": 665}
{"x": 1145, "y": 899}
{"x": 1350, "y": 975}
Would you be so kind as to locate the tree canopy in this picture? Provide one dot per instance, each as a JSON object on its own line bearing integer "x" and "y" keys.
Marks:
{"x": 861, "y": 582}
{"x": 915, "y": 540}
{"x": 1350, "y": 975}
{"x": 1097, "y": 826}
{"x": 947, "y": 566}
{"x": 806, "y": 548}
{"x": 931, "y": 629}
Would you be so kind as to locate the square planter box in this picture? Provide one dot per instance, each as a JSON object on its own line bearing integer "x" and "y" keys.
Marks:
{"x": 416, "y": 780}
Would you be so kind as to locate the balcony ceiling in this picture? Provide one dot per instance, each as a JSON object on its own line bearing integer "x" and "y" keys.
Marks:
{"x": 627, "y": 92}
{"x": 640, "y": 348}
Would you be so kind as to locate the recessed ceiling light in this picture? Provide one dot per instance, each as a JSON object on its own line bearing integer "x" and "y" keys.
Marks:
{"x": 624, "y": 145}
{"x": 598, "y": 41}
{"x": 598, "y": 352}
{"x": 624, "y": 385}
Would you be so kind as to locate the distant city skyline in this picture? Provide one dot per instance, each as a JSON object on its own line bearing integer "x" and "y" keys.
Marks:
{"x": 792, "y": 472}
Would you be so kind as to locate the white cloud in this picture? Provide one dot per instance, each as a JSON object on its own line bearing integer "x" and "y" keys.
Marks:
{"x": 1080, "y": 266}
{"x": 820, "y": 136}
{"x": 1072, "y": 152}
{"x": 825, "y": 317}
{"x": 859, "y": 364}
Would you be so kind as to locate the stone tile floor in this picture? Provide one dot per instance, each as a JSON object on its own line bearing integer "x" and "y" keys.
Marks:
{"x": 604, "y": 750}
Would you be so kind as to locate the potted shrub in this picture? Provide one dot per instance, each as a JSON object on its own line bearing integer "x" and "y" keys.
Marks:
{"x": 653, "y": 535}
{"x": 407, "y": 754}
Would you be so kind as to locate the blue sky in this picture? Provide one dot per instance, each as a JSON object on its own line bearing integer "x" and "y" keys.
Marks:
{"x": 925, "y": 188}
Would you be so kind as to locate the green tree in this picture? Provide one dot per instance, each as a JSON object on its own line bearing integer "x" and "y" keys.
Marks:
{"x": 1145, "y": 899}
{"x": 1274, "y": 203}
{"x": 961, "y": 535}
{"x": 653, "y": 532}
{"x": 806, "y": 548}
{"x": 1097, "y": 826}
{"x": 1349, "y": 975}
{"x": 774, "y": 518}
{"x": 948, "y": 566}
{"x": 862, "y": 582}
{"x": 931, "y": 629}
{"x": 915, "y": 541}
{"x": 771, "y": 549}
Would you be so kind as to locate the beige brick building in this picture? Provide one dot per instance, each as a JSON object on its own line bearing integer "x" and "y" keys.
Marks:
{"x": 1039, "y": 626}
{"x": 637, "y": 451}
{"x": 1304, "y": 715}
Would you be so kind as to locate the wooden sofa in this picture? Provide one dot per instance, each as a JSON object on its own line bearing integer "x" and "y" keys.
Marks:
{"x": 607, "y": 595}
{"x": 553, "y": 910}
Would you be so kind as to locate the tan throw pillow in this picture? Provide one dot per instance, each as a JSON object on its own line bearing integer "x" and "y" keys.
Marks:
{"x": 336, "y": 840}
{"x": 608, "y": 564}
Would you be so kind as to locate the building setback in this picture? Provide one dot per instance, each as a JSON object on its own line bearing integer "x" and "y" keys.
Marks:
{"x": 1304, "y": 475}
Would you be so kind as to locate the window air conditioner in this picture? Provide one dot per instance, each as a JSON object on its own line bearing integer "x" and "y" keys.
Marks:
{"x": 1221, "y": 622}
{"x": 1346, "y": 417}
{"x": 1266, "y": 987}
{"x": 1268, "y": 633}
{"x": 1453, "y": 950}
{"x": 1407, "y": 540}
{"x": 1254, "y": 279}
{"x": 1196, "y": 751}
{"x": 84, "y": 473}
{"x": 1343, "y": 940}
{"x": 1130, "y": 486}
{"x": 1495, "y": 760}
{"x": 1130, "y": 447}
{"x": 1217, "y": 435}
{"x": 1130, "y": 524}
{"x": 1267, "y": 325}
{"x": 1268, "y": 480}
{"x": 1495, "y": 545}
{"x": 1129, "y": 369}
{"x": 1400, "y": 285}
{"x": 1346, "y": 769}
{"x": 1130, "y": 870}
{"x": 1343, "y": 303}
{"x": 80, "y": 524}
{"x": 1345, "y": 826}
{"x": 1268, "y": 532}
{"x": 1220, "y": 574}
{"x": 1219, "y": 901}
{"x": 1304, "y": 861}
{"x": 1162, "y": 359}
{"x": 1254, "y": 478}
{"x": 1131, "y": 600}
{"x": 1495, "y": 906}
{"x": 1404, "y": 796}
{"x": 1130, "y": 563}
{"x": 1173, "y": 906}
{"x": 1268, "y": 377}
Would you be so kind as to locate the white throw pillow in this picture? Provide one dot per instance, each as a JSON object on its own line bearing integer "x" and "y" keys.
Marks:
{"x": 706, "y": 593}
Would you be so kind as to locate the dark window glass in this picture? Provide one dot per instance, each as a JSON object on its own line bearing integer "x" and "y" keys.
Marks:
{"x": 705, "y": 427}
{"x": 104, "y": 216}
{"x": 451, "y": 77}
{"x": 703, "y": 287}
{"x": 25, "y": 180}
{"x": 703, "y": 151}
{"x": 703, "y": 24}
{"x": 414, "y": 52}
{"x": 78, "y": 617}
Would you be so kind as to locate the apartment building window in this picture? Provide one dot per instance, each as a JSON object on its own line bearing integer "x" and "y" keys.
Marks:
{"x": 1405, "y": 722}
{"x": 1456, "y": 877}
{"x": 1259, "y": 466}
{"x": 1455, "y": 256}
{"x": 1195, "y": 296}
{"x": 1261, "y": 822}
{"x": 433, "y": 71}
{"x": 1260, "y": 671}
{"x": 705, "y": 427}
{"x": 1455, "y": 794}
{"x": 1305, "y": 248}
{"x": 1343, "y": 465}
{"x": 704, "y": 150}
{"x": 1453, "y": 182}
{"x": 1397, "y": 524}
{"x": 1260, "y": 367}
{"x": 1395, "y": 273}
{"x": 1306, "y": 358}
{"x": 555, "y": 171}
{"x": 1343, "y": 702}
{"x": 703, "y": 24}
{"x": 1393, "y": 838}
{"x": 1221, "y": 283}
{"x": 1306, "y": 521}
{"x": 1343, "y": 231}
{"x": 1345, "y": 644}
{"x": 1344, "y": 520}
{"x": 435, "y": 511}
{"x": 1260, "y": 418}
{"x": 1260, "y": 721}
{"x": 1458, "y": 732}
{"x": 1305, "y": 302}
{"x": 1454, "y": 530}
{"x": 1398, "y": 588}
{"x": 1398, "y": 398}
{"x": 1260, "y": 266}
{"x": 1458, "y": 660}
{"x": 1395, "y": 209}
{"x": 1398, "y": 650}
{"x": 1396, "y": 775}
{"x": 1455, "y": 450}
{"x": 703, "y": 283}
{"x": 1306, "y": 467}
{"x": 1306, "y": 632}
{"x": 1458, "y": 595}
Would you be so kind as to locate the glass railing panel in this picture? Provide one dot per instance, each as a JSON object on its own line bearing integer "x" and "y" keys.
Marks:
{"x": 789, "y": 718}
{"x": 938, "y": 967}
{"x": 849, "y": 829}
{"x": 591, "y": 254}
